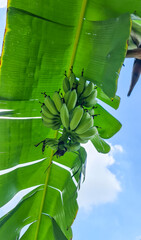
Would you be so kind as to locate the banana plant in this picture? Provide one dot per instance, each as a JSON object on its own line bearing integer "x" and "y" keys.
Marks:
{"x": 43, "y": 39}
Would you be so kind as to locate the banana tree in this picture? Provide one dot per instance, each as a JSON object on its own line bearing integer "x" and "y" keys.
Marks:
{"x": 43, "y": 39}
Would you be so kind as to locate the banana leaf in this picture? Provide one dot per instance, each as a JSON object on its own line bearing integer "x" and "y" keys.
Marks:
{"x": 42, "y": 41}
{"x": 46, "y": 58}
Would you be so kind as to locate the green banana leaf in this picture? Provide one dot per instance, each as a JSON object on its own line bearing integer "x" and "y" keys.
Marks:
{"x": 106, "y": 123}
{"x": 23, "y": 209}
{"x": 101, "y": 10}
{"x": 42, "y": 40}
{"x": 113, "y": 102}
{"x": 45, "y": 48}
{"x": 56, "y": 197}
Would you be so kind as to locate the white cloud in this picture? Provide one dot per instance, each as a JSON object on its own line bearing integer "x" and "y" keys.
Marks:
{"x": 101, "y": 185}
{"x": 138, "y": 237}
{"x": 117, "y": 148}
{"x": 3, "y": 3}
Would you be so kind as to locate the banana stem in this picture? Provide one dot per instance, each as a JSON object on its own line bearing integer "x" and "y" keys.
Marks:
{"x": 44, "y": 191}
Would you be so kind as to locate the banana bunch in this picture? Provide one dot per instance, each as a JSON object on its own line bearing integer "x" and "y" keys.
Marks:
{"x": 73, "y": 112}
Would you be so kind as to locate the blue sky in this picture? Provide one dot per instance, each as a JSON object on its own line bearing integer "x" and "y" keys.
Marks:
{"x": 110, "y": 198}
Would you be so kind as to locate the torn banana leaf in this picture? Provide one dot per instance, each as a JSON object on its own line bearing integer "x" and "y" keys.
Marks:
{"x": 112, "y": 102}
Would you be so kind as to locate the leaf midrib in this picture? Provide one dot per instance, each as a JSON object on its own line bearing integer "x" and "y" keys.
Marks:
{"x": 75, "y": 45}
{"x": 78, "y": 31}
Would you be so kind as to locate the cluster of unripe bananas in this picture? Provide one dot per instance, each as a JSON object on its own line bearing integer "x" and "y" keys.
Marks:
{"x": 73, "y": 112}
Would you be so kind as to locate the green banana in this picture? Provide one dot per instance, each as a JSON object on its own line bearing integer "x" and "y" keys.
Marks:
{"x": 72, "y": 147}
{"x": 57, "y": 101}
{"x": 89, "y": 134}
{"x": 66, "y": 96}
{"x": 52, "y": 142}
{"x": 81, "y": 85}
{"x": 86, "y": 84}
{"x": 72, "y": 80}
{"x": 80, "y": 140}
{"x": 50, "y": 120}
{"x": 54, "y": 125}
{"x": 49, "y": 142}
{"x": 91, "y": 111}
{"x": 50, "y": 105}
{"x": 85, "y": 123}
{"x": 76, "y": 138}
{"x": 88, "y": 90}
{"x": 90, "y": 100}
{"x": 66, "y": 84}
{"x": 76, "y": 117}
{"x": 64, "y": 115}
{"x": 47, "y": 113}
{"x": 72, "y": 100}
